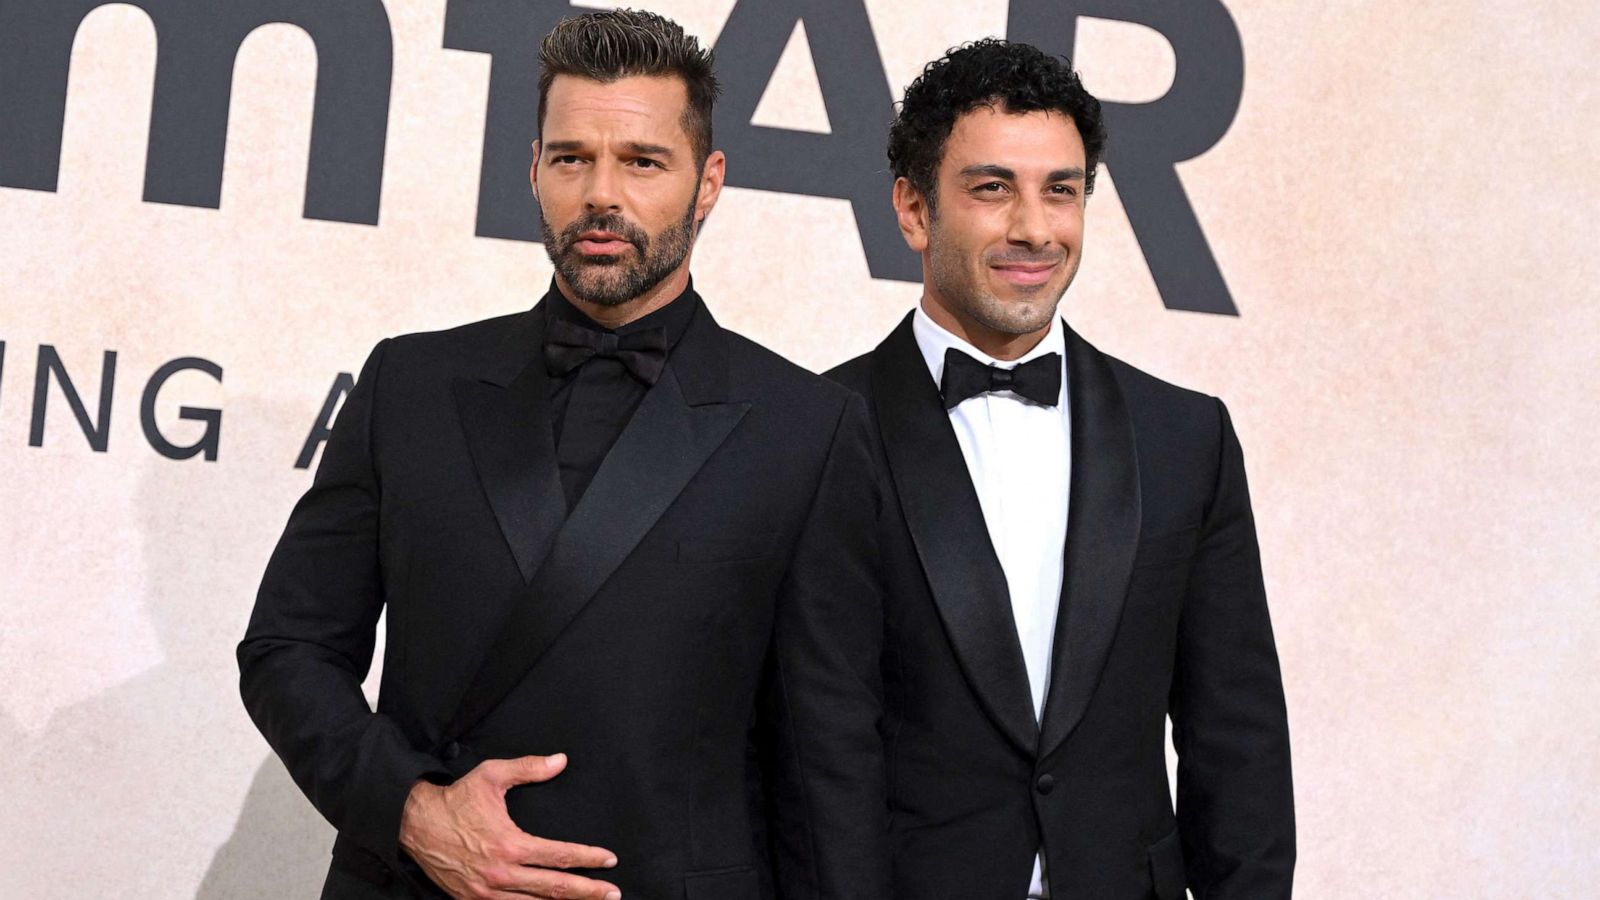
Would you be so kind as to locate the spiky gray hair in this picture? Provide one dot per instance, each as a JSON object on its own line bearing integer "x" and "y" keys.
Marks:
{"x": 615, "y": 44}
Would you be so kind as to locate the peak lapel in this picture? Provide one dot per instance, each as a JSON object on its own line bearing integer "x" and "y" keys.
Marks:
{"x": 505, "y": 414}
{"x": 1102, "y": 537}
{"x": 680, "y": 422}
{"x": 947, "y": 526}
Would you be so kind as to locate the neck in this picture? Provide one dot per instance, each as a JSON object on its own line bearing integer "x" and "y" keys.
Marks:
{"x": 997, "y": 344}
{"x": 636, "y": 308}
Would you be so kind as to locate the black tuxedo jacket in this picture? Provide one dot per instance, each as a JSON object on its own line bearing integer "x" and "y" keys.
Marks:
{"x": 714, "y": 580}
{"x": 1163, "y": 612}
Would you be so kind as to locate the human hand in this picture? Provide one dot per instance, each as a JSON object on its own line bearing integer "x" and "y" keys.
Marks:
{"x": 463, "y": 838}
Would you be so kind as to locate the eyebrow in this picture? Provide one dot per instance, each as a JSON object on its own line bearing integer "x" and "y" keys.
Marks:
{"x": 634, "y": 147}
{"x": 648, "y": 149}
{"x": 991, "y": 170}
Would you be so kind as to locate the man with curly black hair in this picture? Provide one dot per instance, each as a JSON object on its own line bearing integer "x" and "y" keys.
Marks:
{"x": 1067, "y": 543}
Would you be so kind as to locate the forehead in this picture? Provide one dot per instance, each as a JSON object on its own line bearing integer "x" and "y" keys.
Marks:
{"x": 640, "y": 107}
{"x": 1040, "y": 140}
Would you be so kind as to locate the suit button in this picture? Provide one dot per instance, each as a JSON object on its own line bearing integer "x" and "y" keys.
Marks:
{"x": 450, "y": 751}
{"x": 1046, "y": 783}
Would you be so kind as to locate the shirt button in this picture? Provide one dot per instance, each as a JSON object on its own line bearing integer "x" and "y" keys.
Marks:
{"x": 450, "y": 751}
{"x": 1046, "y": 783}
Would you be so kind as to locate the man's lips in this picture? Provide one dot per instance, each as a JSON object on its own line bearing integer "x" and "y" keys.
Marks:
{"x": 1025, "y": 273}
{"x": 600, "y": 243}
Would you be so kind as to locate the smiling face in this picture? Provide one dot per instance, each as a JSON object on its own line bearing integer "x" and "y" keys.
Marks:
{"x": 1001, "y": 240}
{"x": 621, "y": 194}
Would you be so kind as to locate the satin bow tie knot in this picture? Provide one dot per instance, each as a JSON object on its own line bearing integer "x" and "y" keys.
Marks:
{"x": 1038, "y": 379}
{"x": 568, "y": 345}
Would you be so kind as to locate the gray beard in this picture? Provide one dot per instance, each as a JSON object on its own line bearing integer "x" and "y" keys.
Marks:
{"x": 615, "y": 280}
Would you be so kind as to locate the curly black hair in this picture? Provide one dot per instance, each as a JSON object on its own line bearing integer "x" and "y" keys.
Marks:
{"x": 1015, "y": 77}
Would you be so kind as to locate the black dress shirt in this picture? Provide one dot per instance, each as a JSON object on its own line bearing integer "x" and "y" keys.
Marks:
{"x": 591, "y": 404}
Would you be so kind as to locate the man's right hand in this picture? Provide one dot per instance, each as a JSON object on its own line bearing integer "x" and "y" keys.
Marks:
{"x": 465, "y": 841}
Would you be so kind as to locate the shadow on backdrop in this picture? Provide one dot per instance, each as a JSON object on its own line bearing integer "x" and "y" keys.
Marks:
{"x": 279, "y": 847}
{"x": 280, "y": 844}
{"x": 127, "y": 794}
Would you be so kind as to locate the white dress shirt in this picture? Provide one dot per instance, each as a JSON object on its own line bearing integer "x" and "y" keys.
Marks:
{"x": 1019, "y": 456}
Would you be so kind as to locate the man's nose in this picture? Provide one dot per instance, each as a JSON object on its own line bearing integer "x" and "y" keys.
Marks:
{"x": 601, "y": 194}
{"x": 1029, "y": 223}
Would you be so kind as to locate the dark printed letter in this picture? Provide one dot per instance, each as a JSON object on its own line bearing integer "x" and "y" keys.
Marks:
{"x": 322, "y": 429}
{"x": 849, "y": 163}
{"x": 98, "y": 431}
{"x": 509, "y": 31}
{"x": 208, "y": 441}
{"x": 197, "y": 43}
{"x": 1148, "y": 139}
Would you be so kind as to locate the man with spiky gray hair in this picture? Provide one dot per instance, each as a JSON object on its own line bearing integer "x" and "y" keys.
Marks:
{"x": 621, "y": 550}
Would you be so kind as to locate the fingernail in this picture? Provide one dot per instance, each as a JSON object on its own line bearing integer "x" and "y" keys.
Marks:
{"x": 558, "y": 759}
{"x": 614, "y": 895}
{"x": 610, "y": 861}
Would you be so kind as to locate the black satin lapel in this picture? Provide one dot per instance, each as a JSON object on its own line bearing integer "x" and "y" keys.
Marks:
{"x": 665, "y": 443}
{"x": 508, "y": 430}
{"x": 946, "y": 522}
{"x": 1102, "y": 537}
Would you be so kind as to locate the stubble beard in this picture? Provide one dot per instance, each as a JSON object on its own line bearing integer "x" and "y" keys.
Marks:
{"x": 957, "y": 282}
{"x": 616, "y": 279}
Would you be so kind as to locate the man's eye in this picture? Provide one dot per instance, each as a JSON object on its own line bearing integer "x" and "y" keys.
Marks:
{"x": 646, "y": 163}
{"x": 564, "y": 159}
{"x": 989, "y": 187}
{"x": 1066, "y": 190}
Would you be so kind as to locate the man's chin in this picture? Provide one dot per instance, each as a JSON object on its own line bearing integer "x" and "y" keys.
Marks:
{"x": 1014, "y": 314}
{"x": 1041, "y": 297}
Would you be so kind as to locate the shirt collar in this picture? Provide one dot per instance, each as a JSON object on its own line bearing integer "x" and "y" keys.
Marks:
{"x": 933, "y": 340}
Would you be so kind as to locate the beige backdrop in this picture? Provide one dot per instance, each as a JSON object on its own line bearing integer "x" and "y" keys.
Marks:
{"x": 1404, "y": 210}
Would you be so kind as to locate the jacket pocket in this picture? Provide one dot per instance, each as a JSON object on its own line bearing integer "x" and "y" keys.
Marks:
{"x": 756, "y": 545}
{"x": 722, "y": 884}
{"x": 357, "y": 861}
{"x": 1164, "y": 549}
{"x": 1166, "y": 867}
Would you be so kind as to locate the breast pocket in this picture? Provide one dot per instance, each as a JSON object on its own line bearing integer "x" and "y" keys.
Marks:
{"x": 723, "y": 884}
{"x": 721, "y": 548}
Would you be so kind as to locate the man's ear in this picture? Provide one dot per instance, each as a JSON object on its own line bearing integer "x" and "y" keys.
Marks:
{"x": 533, "y": 171}
{"x": 911, "y": 209}
{"x": 712, "y": 176}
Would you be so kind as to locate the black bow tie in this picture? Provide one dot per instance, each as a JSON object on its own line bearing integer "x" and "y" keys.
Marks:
{"x": 568, "y": 345}
{"x": 1038, "y": 380}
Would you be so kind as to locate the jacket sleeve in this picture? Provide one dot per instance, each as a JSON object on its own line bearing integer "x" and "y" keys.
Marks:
{"x": 1235, "y": 797}
{"x": 827, "y": 801}
{"x": 310, "y": 642}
